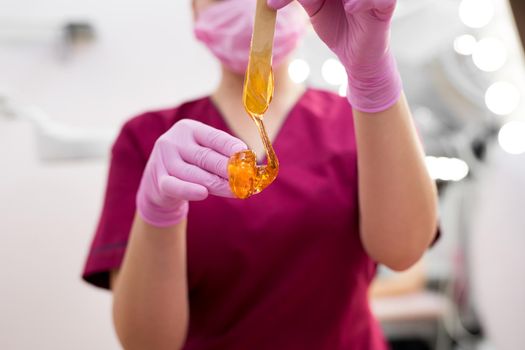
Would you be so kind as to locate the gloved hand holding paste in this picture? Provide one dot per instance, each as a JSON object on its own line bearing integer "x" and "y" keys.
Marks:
{"x": 358, "y": 32}
{"x": 187, "y": 163}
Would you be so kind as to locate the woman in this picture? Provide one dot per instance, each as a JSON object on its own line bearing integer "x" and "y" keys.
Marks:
{"x": 290, "y": 267}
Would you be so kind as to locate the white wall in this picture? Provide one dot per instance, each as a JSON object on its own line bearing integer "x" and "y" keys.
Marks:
{"x": 47, "y": 216}
{"x": 48, "y": 211}
{"x": 496, "y": 247}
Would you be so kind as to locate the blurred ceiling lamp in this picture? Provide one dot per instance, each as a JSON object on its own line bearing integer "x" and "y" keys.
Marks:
{"x": 490, "y": 54}
{"x": 511, "y": 137}
{"x": 447, "y": 169}
{"x": 476, "y": 13}
{"x": 465, "y": 44}
{"x": 333, "y": 72}
{"x": 27, "y": 30}
{"x": 502, "y": 98}
{"x": 299, "y": 70}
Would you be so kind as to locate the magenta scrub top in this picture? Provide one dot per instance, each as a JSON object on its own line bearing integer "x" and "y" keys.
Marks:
{"x": 283, "y": 270}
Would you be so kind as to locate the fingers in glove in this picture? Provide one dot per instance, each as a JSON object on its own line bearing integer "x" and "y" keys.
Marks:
{"x": 214, "y": 184}
{"x": 380, "y": 6}
{"x": 173, "y": 187}
{"x": 278, "y": 4}
{"x": 218, "y": 140}
{"x": 207, "y": 159}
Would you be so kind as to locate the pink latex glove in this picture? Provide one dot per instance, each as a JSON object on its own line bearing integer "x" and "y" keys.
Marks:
{"x": 358, "y": 32}
{"x": 187, "y": 163}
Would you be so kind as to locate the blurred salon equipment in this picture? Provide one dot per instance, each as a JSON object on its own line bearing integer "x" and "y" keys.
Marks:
{"x": 496, "y": 228}
{"x": 54, "y": 141}
{"x": 57, "y": 141}
{"x": 66, "y": 34}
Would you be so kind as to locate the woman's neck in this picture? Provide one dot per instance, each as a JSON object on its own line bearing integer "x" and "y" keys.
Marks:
{"x": 230, "y": 88}
{"x": 228, "y": 99}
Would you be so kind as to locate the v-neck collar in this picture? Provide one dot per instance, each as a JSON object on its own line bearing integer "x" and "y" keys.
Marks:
{"x": 287, "y": 120}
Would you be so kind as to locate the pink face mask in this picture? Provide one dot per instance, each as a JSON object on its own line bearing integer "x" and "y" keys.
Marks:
{"x": 226, "y": 29}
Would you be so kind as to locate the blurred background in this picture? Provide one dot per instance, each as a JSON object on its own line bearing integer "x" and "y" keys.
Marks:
{"x": 71, "y": 72}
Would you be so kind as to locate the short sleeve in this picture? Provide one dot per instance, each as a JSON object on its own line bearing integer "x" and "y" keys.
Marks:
{"x": 109, "y": 244}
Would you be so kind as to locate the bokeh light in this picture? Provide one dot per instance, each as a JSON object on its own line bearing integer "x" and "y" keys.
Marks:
{"x": 465, "y": 44}
{"x": 343, "y": 89}
{"x": 502, "y": 98}
{"x": 490, "y": 54}
{"x": 447, "y": 169}
{"x": 299, "y": 70}
{"x": 511, "y": 137}
{"x": 476, "y": 13}
{"x": 333, "y": 72}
